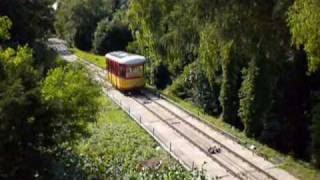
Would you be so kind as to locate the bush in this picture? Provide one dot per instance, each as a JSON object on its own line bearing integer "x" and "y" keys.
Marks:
{"x": 72, "y": 94}
{"x": 206, "y": 95}
{"x": 76, "y": 20}
{"x": 111, "y": 36}
{"x": 193, "y": 84}
{"x": 25, "y": 123}
{"x": 5, "y": 25}
{"x": 36, "y": 116}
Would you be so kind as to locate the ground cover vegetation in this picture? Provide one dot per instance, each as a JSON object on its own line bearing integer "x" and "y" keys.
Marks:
{"x": 253, "y": 63}
{"x": 96, "y": 59}
{"x": 117, "y": 148}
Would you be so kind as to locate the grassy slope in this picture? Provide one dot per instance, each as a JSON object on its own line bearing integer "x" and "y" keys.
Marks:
{"x": 122, "y": 145}
{"x": 298, "y": 168}
{"x": 96, "y": 59}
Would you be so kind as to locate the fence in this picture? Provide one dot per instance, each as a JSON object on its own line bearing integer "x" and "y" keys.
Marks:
{"x": 165, "y": 143}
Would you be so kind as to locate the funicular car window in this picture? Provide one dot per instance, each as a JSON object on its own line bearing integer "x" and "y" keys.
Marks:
{"x": 134, "y": 71}
{"x": 122, "y": 71}
{"x": 116, "y": 69}
{"x": 112, "y": 67}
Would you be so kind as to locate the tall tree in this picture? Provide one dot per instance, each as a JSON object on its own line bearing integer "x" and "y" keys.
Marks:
{"x": 112, "y": 35}
{"x": 31, "y": 19}
{"x": 164, "y": 34}
{"x": 304, "y": 20}
{"x": 22, "y": 115}
{"x": 76, "y": 20}
{"x": 245, "y": 48}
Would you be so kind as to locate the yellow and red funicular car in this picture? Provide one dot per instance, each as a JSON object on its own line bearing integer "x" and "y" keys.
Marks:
{"x": 125, "y": 71}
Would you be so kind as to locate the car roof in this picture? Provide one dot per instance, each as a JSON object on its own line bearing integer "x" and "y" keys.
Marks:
{"x": 125, "y": 58}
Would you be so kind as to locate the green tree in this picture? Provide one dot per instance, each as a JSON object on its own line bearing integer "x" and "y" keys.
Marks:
{"x": 229, "y": 86}
{"x": 32, "y": 124}
{"x": 164, "y": 34}
{"x": 304, "y": 21}
{"x": 35, "y": 119}
{"x": 218, "y": 59}
{"x": 254, "y": 99}
{"x": 111, "y": 35}
{"x": 5, "y": 26}
{"x": 245, "y": 49}
{"x": 76, "y": 20}
{"x": 73, "y": 95}
{"x": 23, "y": 120}
{"x": 31, "y": 19}
{"x": 144, "y": 17}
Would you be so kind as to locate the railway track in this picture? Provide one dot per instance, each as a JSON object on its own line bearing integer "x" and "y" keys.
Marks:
{"x": 230, "y": 160}
{"x": 226, "y": 159}
{"x": 229, "y": 170}
{"x": 233, "y": 167}
{"x": 235, "y": 164}
{"x": 196, "y": 134}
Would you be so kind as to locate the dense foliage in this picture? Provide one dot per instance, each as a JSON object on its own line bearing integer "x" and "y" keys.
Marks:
{"x": 5, "y": 26}
{"x": 31, "y": 19}
{"x": 76, "y": 20}
{"x": 112, "y": 35}
{"x": 71, "y": 93}
{"x": 38, "y": 111}
{"x": 98, "y": 25}
{"x": 35, "y": 118}
{"x": 49, "y": 112}
{"x": 304, "y": 20}
{"x": 253, "y": 76}
{"x": 254, "y": 63}
{"x": 19, "y": 114}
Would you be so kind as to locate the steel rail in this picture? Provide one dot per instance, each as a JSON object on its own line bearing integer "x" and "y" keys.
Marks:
{"x": 190, "y": 140}
{"x": 228, "y": 161}
{"x": 213, "y": 139}
{"x": 225, "y": 158}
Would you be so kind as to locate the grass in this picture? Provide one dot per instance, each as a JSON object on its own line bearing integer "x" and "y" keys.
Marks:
{"x": 96, "y": 59}
{"x": 116, "y": 147}
{"x": 298, "y": 168}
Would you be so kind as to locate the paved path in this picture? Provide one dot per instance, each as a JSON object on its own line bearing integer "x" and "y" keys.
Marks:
{"x": 180, "y": 147}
